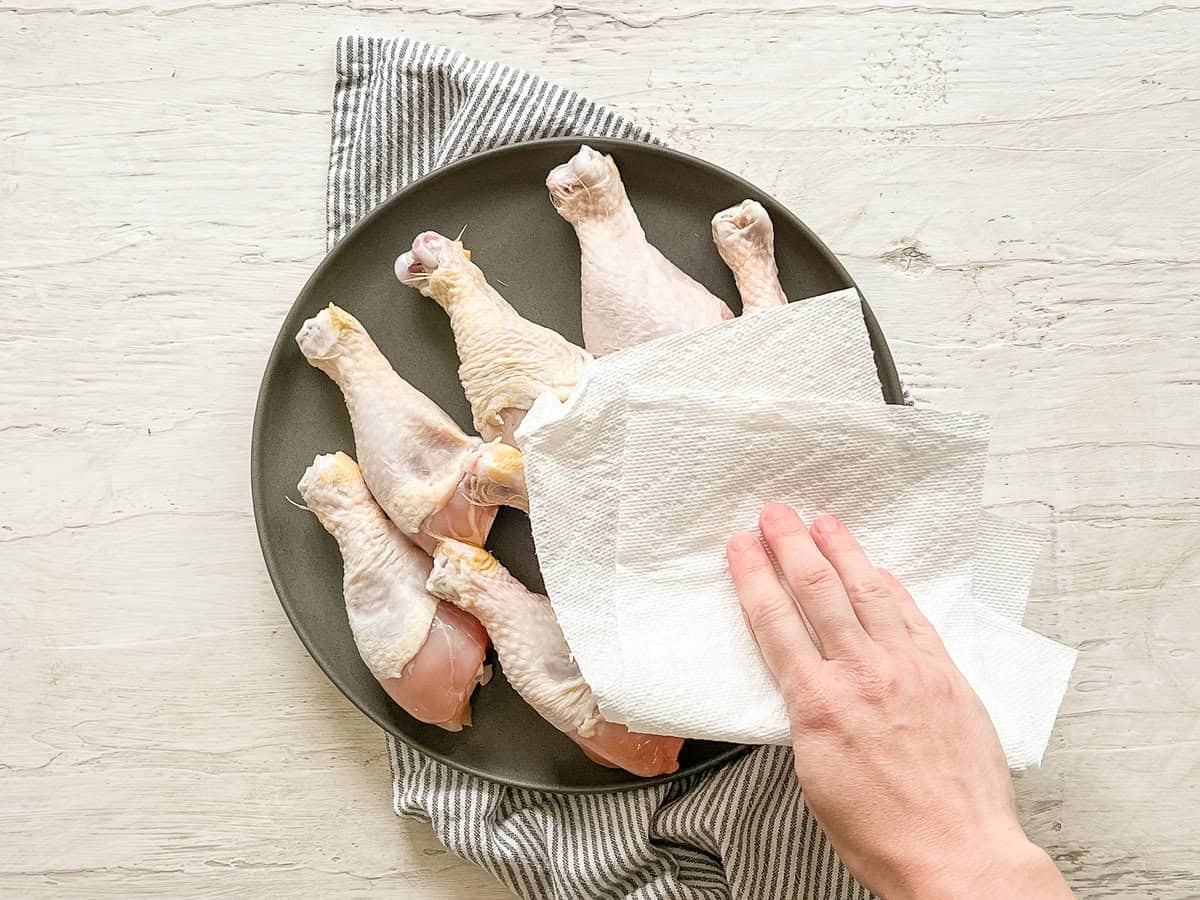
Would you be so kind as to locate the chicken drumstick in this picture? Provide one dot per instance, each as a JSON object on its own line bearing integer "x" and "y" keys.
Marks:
{"x": 426, "y": 653}
{"x": 631, "y": 292}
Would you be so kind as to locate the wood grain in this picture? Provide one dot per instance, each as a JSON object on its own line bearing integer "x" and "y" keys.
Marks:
{"x": 1017, "y": 189}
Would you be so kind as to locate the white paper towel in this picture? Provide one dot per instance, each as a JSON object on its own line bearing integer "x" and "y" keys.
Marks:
{"x": 816, "y": 348}
{"x": 699, "y": 466}
{"x": 573, "y": 450}
{"x": 1020, "y": 676}
{"x": 1006, "y": 557}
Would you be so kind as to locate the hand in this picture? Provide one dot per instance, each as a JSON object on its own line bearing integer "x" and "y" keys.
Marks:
{"x": 897, "y": 757}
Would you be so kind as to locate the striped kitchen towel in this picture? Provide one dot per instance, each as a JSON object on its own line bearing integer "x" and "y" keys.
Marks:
{"x": 401, "y": 109}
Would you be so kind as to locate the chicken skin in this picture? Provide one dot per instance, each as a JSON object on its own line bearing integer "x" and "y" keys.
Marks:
{"x": 505, "y": 361}
{"x": 745, "y": 238}
{"x": 631, "y": 293}
{"x": 430, "y": 478}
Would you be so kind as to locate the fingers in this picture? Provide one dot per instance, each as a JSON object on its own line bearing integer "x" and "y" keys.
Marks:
{"x": 872, "y": 597}
{"x": 770, "y": 612}
{"x": 814, "y": 582}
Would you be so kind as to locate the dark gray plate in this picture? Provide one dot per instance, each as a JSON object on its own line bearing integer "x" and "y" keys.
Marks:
{"x": 531, "y": 255}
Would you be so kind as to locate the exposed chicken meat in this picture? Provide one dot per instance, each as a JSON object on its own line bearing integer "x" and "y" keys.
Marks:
{"x": 426, "y": 653}
{"x": 428, "y": 475}
{"x": 506, "y": 361}
{"x": 496, "y": 477}
{"x": 537, "y": 661}
{"x": 631, "y": 292}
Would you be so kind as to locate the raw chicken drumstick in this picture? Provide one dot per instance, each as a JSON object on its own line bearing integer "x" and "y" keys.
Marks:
{"x": 506, "y": 361}
{"x": 431, "y": 479}
{"x": 745, "y": 239}
{"x": 631, "y": 292}
{"x": 537, "y": 661}
{"x": 427, "y": 654}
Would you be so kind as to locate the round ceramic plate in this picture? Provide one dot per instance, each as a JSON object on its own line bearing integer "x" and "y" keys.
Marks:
{"x": 532, "y": 257}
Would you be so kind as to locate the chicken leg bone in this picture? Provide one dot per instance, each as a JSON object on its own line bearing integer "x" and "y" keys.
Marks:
{"x": 506, "y": 361}
{"x": 421, "y": 468}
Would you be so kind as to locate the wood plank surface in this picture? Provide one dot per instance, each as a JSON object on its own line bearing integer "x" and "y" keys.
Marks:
{"x": 1016, "y": 188}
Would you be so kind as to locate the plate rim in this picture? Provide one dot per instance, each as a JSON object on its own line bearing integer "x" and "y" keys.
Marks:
{"x": 885, "y": 367}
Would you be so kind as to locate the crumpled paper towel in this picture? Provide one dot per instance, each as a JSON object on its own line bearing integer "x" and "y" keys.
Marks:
{"x": 816, "y": 348}
{"x": 573, "y": 450}
{"x": 698, "y": 466}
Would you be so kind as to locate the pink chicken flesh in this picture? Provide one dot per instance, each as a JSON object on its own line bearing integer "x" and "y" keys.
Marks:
{"x": 631, "y": 292}
{"x": 538, "y": 663}
{"x": 427, "y": 654}
{"x": 437, "y": 683}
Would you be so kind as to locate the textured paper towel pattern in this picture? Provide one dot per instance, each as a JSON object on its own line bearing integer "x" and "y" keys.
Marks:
{"x": 574, "y": 460}
{"x": 907, "y": 482}
{"x": 573, "y": 463}
{"x": 1007, "y": 555}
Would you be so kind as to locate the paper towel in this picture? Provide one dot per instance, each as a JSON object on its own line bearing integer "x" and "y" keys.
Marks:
{"x": 813, "y": 348}
{"x": 1020, "y": 676}
{"x": 1006, "y": 557}
{"x": 573, "y": 450}
{"x": 699, "y": 466}
{"x": 905, "y": 481}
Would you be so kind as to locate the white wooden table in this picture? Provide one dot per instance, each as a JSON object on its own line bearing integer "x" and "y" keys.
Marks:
{"x": 1016, "y": 188}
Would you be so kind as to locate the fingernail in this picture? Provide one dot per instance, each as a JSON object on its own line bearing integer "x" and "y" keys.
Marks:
{"x": 775, "y": 511}
{"x": 827, "y": 525}
{"x": 740, "y": 543}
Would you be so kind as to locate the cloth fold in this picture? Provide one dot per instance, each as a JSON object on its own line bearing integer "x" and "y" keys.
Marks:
{"x": 401, "y": 109}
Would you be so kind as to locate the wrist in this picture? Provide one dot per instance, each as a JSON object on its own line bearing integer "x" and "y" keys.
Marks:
{"x": 1006, "y": 866}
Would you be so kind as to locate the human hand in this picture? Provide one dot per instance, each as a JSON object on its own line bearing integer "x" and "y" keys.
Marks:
{"x": 896, "y": 755}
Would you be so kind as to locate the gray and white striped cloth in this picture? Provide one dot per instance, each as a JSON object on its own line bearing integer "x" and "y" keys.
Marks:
{"x": 402, "y": 108}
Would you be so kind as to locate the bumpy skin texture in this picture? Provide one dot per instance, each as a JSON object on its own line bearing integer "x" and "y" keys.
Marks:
{"x": 745, "y": 238}
{"x": 414, "y": 457}
{"x": 506, "y": 361}
{"x": 427, "y": 654}
{"x": 537, "y": 661}
{"x": 631, "y": 292}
